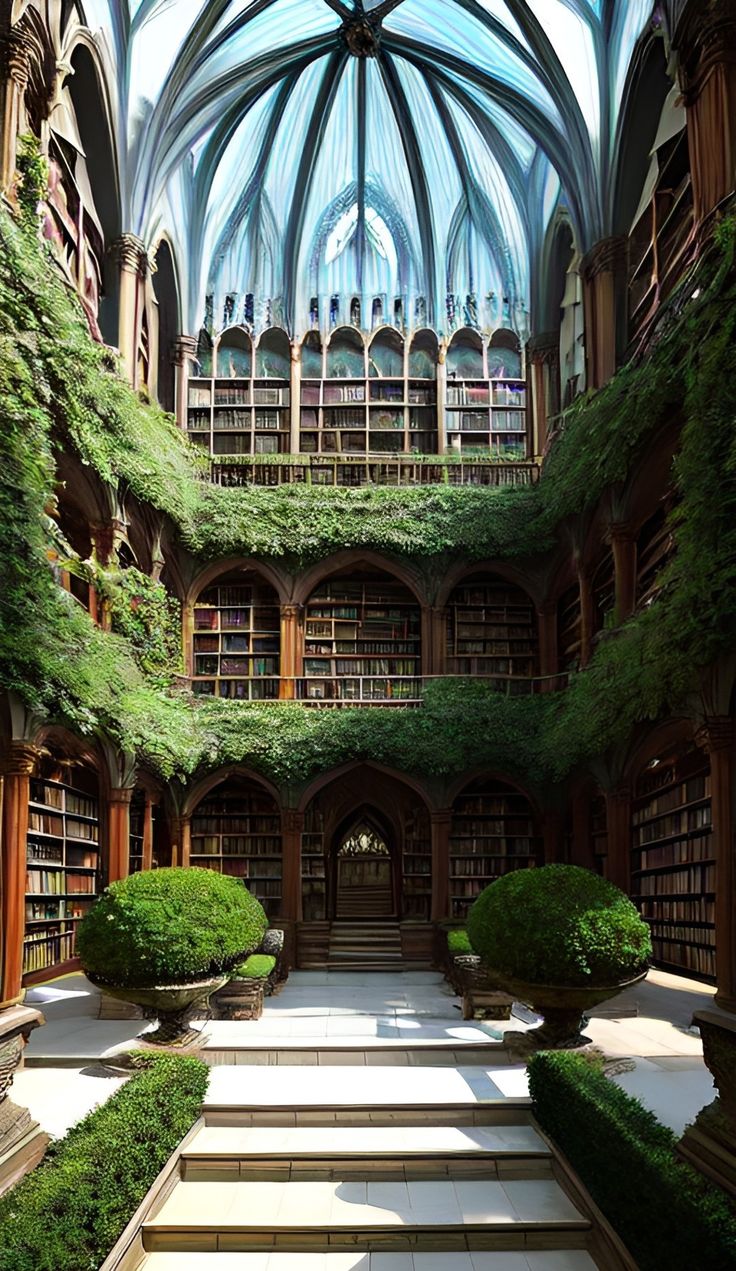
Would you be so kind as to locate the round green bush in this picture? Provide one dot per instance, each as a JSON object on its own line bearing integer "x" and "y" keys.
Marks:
{"x": 559, "y": 925}
{"x": 169, "y": 926}
{"x": 257, "y": 967}
{"x": 459, "y": 942}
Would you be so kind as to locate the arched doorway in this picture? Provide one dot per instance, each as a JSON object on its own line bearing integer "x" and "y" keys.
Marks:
{"x": 363, "y": 871}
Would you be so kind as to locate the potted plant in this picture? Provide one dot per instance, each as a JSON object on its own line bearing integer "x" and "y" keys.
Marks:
{"x": 561, "y": 939}
{"x": 242, "y": 996}
{"x": 167, "y": 938}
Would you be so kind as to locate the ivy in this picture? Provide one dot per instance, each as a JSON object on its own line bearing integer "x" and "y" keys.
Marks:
{"x": 149, "y": 617}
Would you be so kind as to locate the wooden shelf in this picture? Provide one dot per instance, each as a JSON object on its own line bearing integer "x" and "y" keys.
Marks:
{"x": 491, "y": 630}
{"x": 483, "y": 805}
{"x": 236, "y": 642}
{"x": 234, "y": 832}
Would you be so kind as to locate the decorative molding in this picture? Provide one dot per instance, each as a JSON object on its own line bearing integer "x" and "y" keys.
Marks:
{"x": 130, "y": 253}
{"x": 19, "y": 759}
{"x": 543, "y": 348}
{"x": 607, "y": 257}
{"x": 183, "y": 349}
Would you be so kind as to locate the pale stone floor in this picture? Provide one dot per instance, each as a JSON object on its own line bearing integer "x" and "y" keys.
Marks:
{"x": 321, "y": 1010}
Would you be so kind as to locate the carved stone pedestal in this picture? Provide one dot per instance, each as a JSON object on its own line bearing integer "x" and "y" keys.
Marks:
{"x": 22, "y": 1141}
{"x": 710, "y": 1142}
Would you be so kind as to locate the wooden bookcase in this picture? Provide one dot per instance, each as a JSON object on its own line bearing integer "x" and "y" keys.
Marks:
{"x": 314, "y": 872}
{"x": 487, "y": 416}
{"x": 368, "y": 416}
{"x": 362, "y": 642}
{"x": 62, "y": 869}
{"x": 599, "y": 832}
{"x": 673, "y": 867}
{"x": 569, "y": 627}
{"x": 653, "y": 550}
{"x": 491, "y": 630}
{"x": 239, "y": 416}
{"x": 492, "y": 832}
{"x": 660, "y": 236}
{"x": 238, "y": 832}
{"x": 416, "y": 867}
{"x": 237, "y": 640}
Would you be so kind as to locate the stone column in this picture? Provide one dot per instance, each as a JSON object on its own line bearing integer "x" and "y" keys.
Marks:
{"x": 14, "y": 72}
{"x": 603, "y": 272}
{"x": 187, "y": 638}
{"x": 292, "y": 824}
{"x": 291, "y": 651}
{"x": 543, "y": 362}
{"x": 183, "y": 352}
{"x": 718, "y": 738}
{"x": 118, "y": 833}
{"x": 706, "y": 42}
{"x": 130, "y": 252}
{"x": 18, "y": 765}
{"x": 148, "y": 833}
{"x": 618, "y": 814}
{"x": 22, "y": 1142}
{"x": 440, "y": 826}
{"x": 623, "y": 545}
{"x": 181, "y": 840}
{"x": 295, "y": 387}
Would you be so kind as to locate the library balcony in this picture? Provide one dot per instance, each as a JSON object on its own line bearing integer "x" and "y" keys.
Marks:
{"x": 365, "y": 690}
{"x": 366, "y": 469}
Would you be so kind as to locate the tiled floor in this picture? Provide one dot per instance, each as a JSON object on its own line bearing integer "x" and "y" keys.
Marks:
{"x": 549, "y": 1260}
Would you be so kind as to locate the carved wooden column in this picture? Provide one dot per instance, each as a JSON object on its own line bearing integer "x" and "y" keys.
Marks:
{"x": 618, "y": 814}
{"x": 295, "y": 388}
{"x": 718, "y": 737}
{"x": 291, "y": 651}
{"x": 553, "y": 836}
{"x": 603, "y": 272}
{"x": 581, "y": 848}
{"x": 187, "y": 638}
{"x": 586, "y": 617}
{"x": 706, "y": 42}
{"x": 438, "y": 628}
{"x": 17, "y": 766}
{"x": 118, "y": 833}
{"x": 183, "y": 353}
{"x": 548, "y": 655}
{"x": 292, "y": 825}
{"x": 14, "y": 74}
{"x": 623, "y": 545}
{"x": 543, "y": 362}
{"x": 181, "y": 840}
{"x": 441, "y": 399}
{"x": 132, "y": 261}
{"x": 440, "y": 827}
{"x": 147, "y": 862}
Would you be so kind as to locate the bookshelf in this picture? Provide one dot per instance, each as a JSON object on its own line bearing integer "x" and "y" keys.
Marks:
{"x": 362, "y": 641}
{"x": 236, "y": 640}
{"x": 569, "y": 627}
{"x": 237, "y": 831}
{"x": 368, "y": 416}
{"x": 239, "y": 416}
{"x": 492, "y": 832}
{"x": 416, "y": 867}
{"x": 314, "y": 873}
{"x": 603, "y": 588}
{"x": 599, "y": 832}
{"x": 660, "y": 234}
{"x": 491, "y": 630}
{"x": 673, "y": 867}
{"x": 137, "y": 830}
{"x": 653, "y": 551}
{"x": 487, "y": 415}
{"x": 62, "y": 868}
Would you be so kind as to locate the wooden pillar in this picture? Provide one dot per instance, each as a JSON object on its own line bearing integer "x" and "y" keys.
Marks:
{"x": 133, "y": 264}
{"x": 440, "y": 829}
{"x": 548, "y": 655}
{"x": 14, "y": 74}
{"x": 623, "y": 545}
{"x": 586, "y": 617}
{"x": 291, "y": 651}
{"x": 618, "y": 814}
{"x": 147, "y": 833}
{"x": 543, "y": 386}
{"x": 706, "y": 42}
{"x": 427, "y": 662}
{"x": 553, "y": 836}
{"x": 295, "y": 390}
{"x": 18, "y": 765}
{"x": 183, "y": 353}
{"x": 118, "y": 833}
{"x": 292, "y": 825}
{"x": 438, "y": 627}
{"x": 603, "y": 273}
{"x": 187, "y": 638}
{"x": 582, "y": 847}
{"x": 181, "y": 840}
{"x": 441, "y": 399}
{"x": 718, "y": 737}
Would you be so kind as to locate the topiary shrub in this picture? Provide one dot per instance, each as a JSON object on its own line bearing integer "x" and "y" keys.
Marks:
{"x": 458, "y": 942}
{"x": 257, "y": 967}
{"x": 169, "y": 926}
{"x": 559, "y": 925}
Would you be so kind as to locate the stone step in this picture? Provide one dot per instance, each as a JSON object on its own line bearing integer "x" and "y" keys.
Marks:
{"x": 531, "y": 1260}
{"x": 459, "y": 1214}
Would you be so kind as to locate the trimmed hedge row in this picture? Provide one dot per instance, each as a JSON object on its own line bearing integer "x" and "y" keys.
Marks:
{"x": 257, "y": 967}
{"x": 68, "y": 1213}
{"x": 458, "y": 942}
{"x": 665, "y": 1212}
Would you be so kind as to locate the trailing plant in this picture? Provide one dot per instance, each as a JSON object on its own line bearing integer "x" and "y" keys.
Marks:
{"x": 148, "y": 616}
{"x": 32, "y": 180}
{"x": 68, "y": 1214}
{"x": 666, "y": 1213}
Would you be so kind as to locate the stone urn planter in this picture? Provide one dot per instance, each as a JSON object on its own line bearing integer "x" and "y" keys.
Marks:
{"x": 173, "y": 1005}
{"x": 241, "y": 998}
{"x": 710, "y": 1142}
{"x": 562, "y": 1007}
{"x": 273, "y": 946}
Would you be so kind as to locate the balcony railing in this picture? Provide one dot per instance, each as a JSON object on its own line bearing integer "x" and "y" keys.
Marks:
{"x": 359, "y": 470}
{"x": 381, "y": 690}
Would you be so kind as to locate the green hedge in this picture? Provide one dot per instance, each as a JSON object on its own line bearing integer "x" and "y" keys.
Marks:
{"x": 666, "y": 1213}
{"x": 458, "y": 942}
{"x": 257, "y": 967}
{"x": 68, "y": 1213}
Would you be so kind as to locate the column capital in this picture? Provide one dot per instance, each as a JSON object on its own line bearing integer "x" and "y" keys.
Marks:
{"x": 717, "y": 732}
{"x": 292, "y": 822}
{"x": 130, "y": 252}
{"x": 16, "y": 54}
{"x": 290, "y": 610}
{"x": 183, "y": 349}
{"x": 442, "y": 816}
{"x": 605, "y": 257}
{"x": 19, "y": 759}
{"x": 120, "y": 794}
{"x": 705, "y": 36}
{"x": 543, "y": 348}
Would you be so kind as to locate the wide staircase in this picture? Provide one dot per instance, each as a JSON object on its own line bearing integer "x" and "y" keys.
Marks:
{"x": 365, "y": 946}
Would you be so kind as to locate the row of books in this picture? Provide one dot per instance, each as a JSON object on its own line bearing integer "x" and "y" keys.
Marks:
{"x": 696, "y": 909}
{"x": 697, "y": 935}
{"x": 243, "y": 642}
{"x": 53, "y": 795}
{"x": 690, "y": 791}
{"x": 672, "y": 823}
{"x": 49, "y": 852}
{"x": 82, "y": 829}
{"x": 339, "y": 393}
{"x": 689, "y": 956}
{"x": 313, "y": 868}
{"x": 47, "y": 950}
{"x": 488, "y": 804}
{"x": 473, "y": 827}
{"x": 240, "y": 667}
{"x": 476, "y": 863}
{"x": 52, "y": 909}
{"x": 233, "y": 817}
{"x": 696, "y": 879}
{"x": 239, "y": 845}
{"x": 44, "y": 881}
{"x": 45, "y": 823}
{"x": 682, "y": 852}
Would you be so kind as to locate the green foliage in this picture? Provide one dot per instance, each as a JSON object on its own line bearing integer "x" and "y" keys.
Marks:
{"x": 169, "y": 926}
{"x": 458, "y": 942}
{"x": 257, "y": 967}
{"x": 148, "y": 616}
{"x": 68, "y": 1213}
{"x": 666, "y": 1213}
{"x": 559, "y": 925}
{"x": 32, "y": 182}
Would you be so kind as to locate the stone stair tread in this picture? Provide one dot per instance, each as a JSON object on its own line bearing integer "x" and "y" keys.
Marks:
{"x": 364, "y": 1141}
{"x": 379, "y": 1087}
{"x": 533, "y": 1260}
{"x": 306, "y": 1207}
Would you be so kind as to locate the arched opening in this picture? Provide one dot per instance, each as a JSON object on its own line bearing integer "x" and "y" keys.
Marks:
{"x": 362, "y": 640}
{"x": 387, "y": 410}
{"x": 236, "y": 639}
{"x": 504, "y": 355}
{"x": 492, "y": 632}
{"x": 165, "y": 291}
{"x": 236, "y": 830}
{"x": 346, "y": 355}
{"x": 234, "y": 355}
{"x": 494, "y": 830}
{"x": 422, "y": 393}
{"x": 271, "y": 393}
{"x": 468, "y": 415}
{"x": 364, "y": 872}
{"x": 311, "y": 393}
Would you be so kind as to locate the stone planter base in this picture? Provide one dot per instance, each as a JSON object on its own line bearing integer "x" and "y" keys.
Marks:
{"x": 240, "y": 999}
{"x": 710, "y": 1142}
{"x": 173, "y": 1005}
{"x": 562, "y": 1008}
{"x": 22, "y": 1141}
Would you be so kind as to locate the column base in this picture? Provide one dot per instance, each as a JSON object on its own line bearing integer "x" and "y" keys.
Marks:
{"x": 22, "y": 1141}
{"x": 726, "y": 1001}
{"x": 709, "y": 1144}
